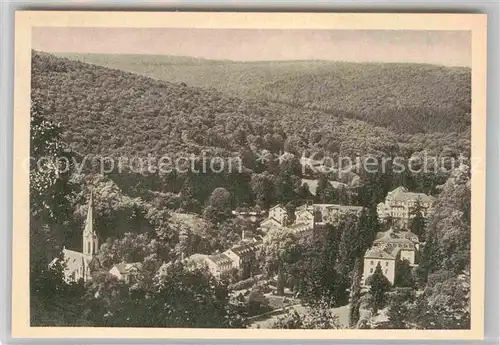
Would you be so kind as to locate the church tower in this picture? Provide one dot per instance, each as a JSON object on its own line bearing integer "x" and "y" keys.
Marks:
{"x": 90, "y": 239}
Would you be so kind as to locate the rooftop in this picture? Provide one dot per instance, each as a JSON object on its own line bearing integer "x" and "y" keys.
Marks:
{"x": 402, "y": 194}
{"x": 243, "y": 249}
{"x": 376, "y": 253}
{"x": 126, "y": 267}
{"x": 392, "y": 236}
{"x": 220, "y": 259}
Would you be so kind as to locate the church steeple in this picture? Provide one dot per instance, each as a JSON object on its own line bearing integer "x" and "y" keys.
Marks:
{"x": 90, "y": 239}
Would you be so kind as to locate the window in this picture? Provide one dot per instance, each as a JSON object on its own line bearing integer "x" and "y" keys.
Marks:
{"x": 386, "y": 263}
{"x": 371, "y": 270}
{"x": 371, "y": 262}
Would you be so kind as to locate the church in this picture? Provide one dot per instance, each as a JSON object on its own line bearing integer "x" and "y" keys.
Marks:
{"x": 81, "y": 265}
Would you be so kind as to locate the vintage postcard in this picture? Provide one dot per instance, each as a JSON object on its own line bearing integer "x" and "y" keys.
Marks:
{"x": 267, "y": 175}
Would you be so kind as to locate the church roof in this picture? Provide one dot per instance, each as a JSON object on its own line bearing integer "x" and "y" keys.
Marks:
{"x": 72, "y": 257}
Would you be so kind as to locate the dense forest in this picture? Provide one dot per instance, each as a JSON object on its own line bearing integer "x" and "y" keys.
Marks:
{"x": 408, "y": 98}
{"x": 111, "y": 112}
{"x": 80, "y": 109}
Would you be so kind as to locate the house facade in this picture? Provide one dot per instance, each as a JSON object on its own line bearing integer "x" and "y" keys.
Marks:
{"x": 387, "y": 261}
{"x": 244, "y": 258}
{"x": 327, "y": 213}
{"x": 400, "y": 204}
{"x": 128, "y": 272}
{"x": 219, "y": 265}
{"x": 388, "y": 248}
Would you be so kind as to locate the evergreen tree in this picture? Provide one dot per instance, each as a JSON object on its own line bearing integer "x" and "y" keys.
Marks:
{"x": 403, "y": 275}
{"x": 427, "y": 259}
{"x": 320, "y": 188}
{"x": 218, "y": 206}
{"x": 303, "y": 193}
{"x": 399, "y": 313}
{"x": 290, "y": 212}
{"x": 355, "y": 299}
{"x": 350, "y": 245}
{"x": 417, "y": 222}
{"x": 379, "y": 286}
{"x": 368, "y": 227}
{"x": 286, "y": 187}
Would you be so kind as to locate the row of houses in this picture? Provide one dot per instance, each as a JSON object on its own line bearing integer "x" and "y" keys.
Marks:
{"x": 243, "y": 257}
{"x": 307, "y": 216}
{"x": 387, "y": 248}
{"x": 240, "y": 259}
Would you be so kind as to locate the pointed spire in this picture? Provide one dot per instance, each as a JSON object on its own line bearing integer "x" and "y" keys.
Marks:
{"x": 89, "y": 223}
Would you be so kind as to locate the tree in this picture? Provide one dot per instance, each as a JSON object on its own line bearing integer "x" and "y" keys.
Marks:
{"x": 286, "y": 186}
{"x": 263, "y": 187}
{"x": 51, "y": 193}
{"x": 290, "y": 212}
{"x": 111, "y": 303}
{"x": 445, "y": 304}
{"x": 208, "y": 306}
{"x": 51, "y": 188}
{"x": 427, "y": 259}
{"x": 379, "y": 286}
{"x": 303, "y": 193}
{"x": 278, "y": 249}
{"x": 417, "y": 222}
{"x": 218, "y": 206}
{"x": 324, "y": 190}
{"x": 350, "y": 246}
{"x": 53, "y": 302}
{"x": 400, "y": 309}
{"x": 355, "y": 300}
{"x": 403, "y": 275}
{"x": 132, "y": 248}
{"x": 368, "y": 227}
{"x": 318, "y": 317}
{"x": 317, "y": 279}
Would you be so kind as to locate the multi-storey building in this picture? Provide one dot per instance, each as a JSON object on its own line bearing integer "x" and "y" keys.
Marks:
{"x": 400, "y": 204}
{"x": 388, "y": 248}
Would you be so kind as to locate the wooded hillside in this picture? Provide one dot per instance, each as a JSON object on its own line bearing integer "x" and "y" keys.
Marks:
{"x": 408, "y": 98}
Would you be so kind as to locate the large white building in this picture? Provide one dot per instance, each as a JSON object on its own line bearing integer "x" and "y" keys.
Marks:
{"x": 389, "y": 247}
{"x": 400, "y": 203}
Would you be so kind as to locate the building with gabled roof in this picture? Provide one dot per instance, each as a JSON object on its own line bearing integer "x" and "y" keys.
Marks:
{"x": 388, "y": 248}
{"x": 400, "y": 203}
{"x": 127, "y": 271}
{"x": 219, "y": 265}
{"x": 277, "y": 217}
{"x": 244, "y": 257}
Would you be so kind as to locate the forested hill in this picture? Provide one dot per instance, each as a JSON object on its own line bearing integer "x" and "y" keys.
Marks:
{"x": 108, "y": 111}
{"x": 408, "y": 98}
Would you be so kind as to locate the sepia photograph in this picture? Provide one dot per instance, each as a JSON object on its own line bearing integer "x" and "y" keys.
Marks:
{"x": 250, "y": 177}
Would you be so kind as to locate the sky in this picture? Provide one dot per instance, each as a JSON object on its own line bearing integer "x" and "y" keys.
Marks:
{"x": 450, "y": 48}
